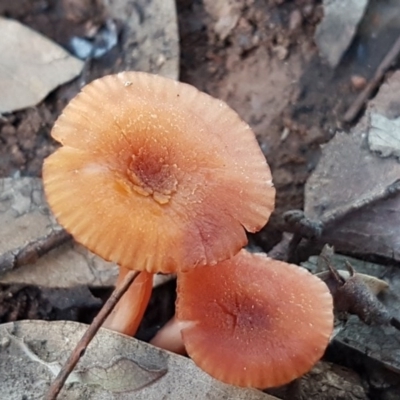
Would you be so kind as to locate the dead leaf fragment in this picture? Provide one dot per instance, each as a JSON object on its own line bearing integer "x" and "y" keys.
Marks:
{"x": 379, "y": 343}
{"x": 349, "y": 176}
{"x": 64, "y": 267}
{"x": 114, "y": 366}
{"x": 326, "y": 381}
{"x": 25, "y": 221}
{"x": 384, "y": 136}
{"x": 31, "y": 66}
{"x": 225, "y": 14}
{"x": 24, "y": 217}
{"x": 338, "y": 27}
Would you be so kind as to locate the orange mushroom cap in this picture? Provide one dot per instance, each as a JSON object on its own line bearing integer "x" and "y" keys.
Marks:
{"x": 155, "y": 175}
{"x": 253, "y": 321}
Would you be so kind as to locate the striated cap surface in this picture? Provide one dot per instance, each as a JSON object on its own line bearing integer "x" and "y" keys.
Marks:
{"x": 155, "y": 175}
{"x": 253, "y": 321}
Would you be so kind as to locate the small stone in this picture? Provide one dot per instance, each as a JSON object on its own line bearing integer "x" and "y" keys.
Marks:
{"x": 281, "y": 52}
{"x": 358, "y": 82}
{"x": 4, "y": 342}
{"x": 285, "y": 133}
{"x": 161, "y": 59}
{"x": 295, "y": 20}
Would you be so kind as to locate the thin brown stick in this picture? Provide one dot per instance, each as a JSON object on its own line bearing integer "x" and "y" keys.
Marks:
{"x": 373, "y": 83}
{"x": 32, "y": 251}
{"x": 80, "y": 348}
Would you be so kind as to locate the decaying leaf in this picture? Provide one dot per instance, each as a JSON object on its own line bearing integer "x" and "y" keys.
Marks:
{"x": 353, "y": 181}
{"x": 379, "y": 342}
{"x": 25, "y": 222}
{"x": 383, "y": 136}
{"x": 114, "y": 366}
{"x": 338, "y": 27}
{"x": 326, "y": 381}
{"x": 31, "y": 66}
{"x": 352, "y": 295}
{"x": 24, "y": 218}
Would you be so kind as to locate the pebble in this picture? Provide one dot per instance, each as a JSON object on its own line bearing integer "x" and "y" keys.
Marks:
{"x": 358, "y": 82}
{"x": 281, "y": 52}
{"x": 295, "y": 20}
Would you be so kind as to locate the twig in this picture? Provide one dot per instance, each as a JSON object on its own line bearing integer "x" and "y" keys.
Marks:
{"x": 293, "y": 245}
{"x": 338, "y": 214}
{"x": 373, "y": 83}
{"x": 80, "y": 348}
{"x": 281, "y": 250}
{"x": 298, "y": 223}
{"x": 32, "y": 251}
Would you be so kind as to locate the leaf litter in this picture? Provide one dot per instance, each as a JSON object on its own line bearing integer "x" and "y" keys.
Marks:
{"x": 114, "y": 365}
{"x": 381, "y": 121}
{"x": 355, "y": 182}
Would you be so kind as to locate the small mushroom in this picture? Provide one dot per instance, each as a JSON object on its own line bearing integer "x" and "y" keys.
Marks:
{"x": 253, "y": 321}
{"x": 155, "y": 176}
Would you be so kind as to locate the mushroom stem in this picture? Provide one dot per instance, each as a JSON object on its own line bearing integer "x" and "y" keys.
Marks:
{"x": 128, "y": 313}
{"x": 169, "y": 337}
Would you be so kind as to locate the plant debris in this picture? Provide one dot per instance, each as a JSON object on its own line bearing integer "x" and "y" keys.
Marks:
{"x": 354, "y": 182}
{"x": 36, "y": 349}
{"x": 31, "y": 81}
{"x": 378, "y": 342}
{"x": 355, "y": 293}
{"x": 30, "y": 239}
{"x": 338, "y": 27}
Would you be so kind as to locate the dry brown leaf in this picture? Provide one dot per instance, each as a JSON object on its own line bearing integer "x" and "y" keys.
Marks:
{"x": 380, "y": 343}
{"x": 326, "y": 381}
{"x": 114, "y": 366}
{"x": 25, "y": 218}
{"x": 31, "y": 66}
{"x": 350, "y": 175}
{"x": 384, "y": 135}
{"x": 338, "y": 27}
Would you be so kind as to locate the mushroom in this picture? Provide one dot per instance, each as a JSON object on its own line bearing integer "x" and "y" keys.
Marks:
{"x": 156, "y": 176}
{"x": 169, "y": 337}
{"x": 128, "y": 313}
{"x": 253, "y": 321}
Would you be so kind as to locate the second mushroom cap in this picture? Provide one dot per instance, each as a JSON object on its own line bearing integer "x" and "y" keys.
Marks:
{"x": 254, "y": 321}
